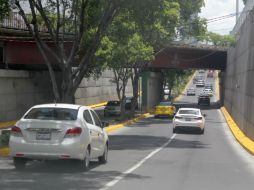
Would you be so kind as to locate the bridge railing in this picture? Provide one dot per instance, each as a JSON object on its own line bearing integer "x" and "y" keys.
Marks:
{"x": 15, "y": 21}
{"x": 246, "y": 11}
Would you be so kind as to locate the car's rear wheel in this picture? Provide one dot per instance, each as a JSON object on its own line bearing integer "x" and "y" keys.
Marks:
{"x": 174, "y": 130}
{"x": 104, "y": 158}
{"x": 19, "y": 163}
{"x": 86, "y": 162}
{"x": 202, "y": 131}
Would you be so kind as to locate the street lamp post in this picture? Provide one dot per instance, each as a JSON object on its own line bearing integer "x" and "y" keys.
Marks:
{"x": 237, "y": 10}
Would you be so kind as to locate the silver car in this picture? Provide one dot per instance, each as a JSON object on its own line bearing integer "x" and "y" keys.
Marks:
{"x": 189, "y": 119}
{"x": 59, "y": 132}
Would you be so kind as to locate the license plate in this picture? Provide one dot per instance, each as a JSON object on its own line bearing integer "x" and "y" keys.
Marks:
{"x": 187, "y": 119}
{"x": 43, "y": 136}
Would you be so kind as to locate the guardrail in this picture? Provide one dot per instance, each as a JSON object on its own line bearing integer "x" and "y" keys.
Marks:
{"x": 15, "y": 21}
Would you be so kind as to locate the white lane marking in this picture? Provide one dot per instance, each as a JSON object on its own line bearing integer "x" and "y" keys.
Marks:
{"x": 140, "y": 163}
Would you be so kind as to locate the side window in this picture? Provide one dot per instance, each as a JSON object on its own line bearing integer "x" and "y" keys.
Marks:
{"x": 96, "y": 119}
{"x": 87, "y": 117}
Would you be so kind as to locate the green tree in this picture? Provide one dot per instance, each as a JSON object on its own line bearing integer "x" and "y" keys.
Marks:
{"x": 135, "y": 36}
{"x": 191, "y": 25}
{"x": 4, "y": 9}
{"x": 81, "y": 23}
{"x": 220, "y": 40}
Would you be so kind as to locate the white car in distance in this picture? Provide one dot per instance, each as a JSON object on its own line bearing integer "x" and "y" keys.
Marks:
{"x": 208, "y": 91}
{"x": 189, "y": 119}
{"x": 59, "y": 132}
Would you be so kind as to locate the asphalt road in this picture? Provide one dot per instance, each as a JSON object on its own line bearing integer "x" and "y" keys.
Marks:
{"x": 147, "y": 155}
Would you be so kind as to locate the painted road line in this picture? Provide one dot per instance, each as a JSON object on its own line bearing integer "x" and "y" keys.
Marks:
{"x": 136, "y": 166}
{"x": 245, "y": 141}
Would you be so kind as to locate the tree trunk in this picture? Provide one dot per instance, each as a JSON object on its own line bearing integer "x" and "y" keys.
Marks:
{"x": 135, "y": 88}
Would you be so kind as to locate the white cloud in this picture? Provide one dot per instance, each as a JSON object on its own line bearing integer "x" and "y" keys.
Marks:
{"x": 217, "y": 8}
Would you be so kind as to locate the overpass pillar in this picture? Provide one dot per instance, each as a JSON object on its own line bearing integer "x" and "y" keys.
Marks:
{"x": 152, "y": 89}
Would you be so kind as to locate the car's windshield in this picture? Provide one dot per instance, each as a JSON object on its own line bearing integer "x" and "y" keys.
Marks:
{"x": 165, "y": 104}
{"x": 52, "y": 114}
{"x": 189, "y": 112}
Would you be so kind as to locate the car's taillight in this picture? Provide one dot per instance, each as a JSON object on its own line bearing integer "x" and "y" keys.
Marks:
{"x": 178, "y": 117}
{"x": 198, "y": 118}
{"x": 73, "y": 132}
{"x": 16, "y": 131}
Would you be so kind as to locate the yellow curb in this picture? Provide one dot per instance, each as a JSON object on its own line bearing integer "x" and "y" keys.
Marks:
{"x": 7, "y": 124}
{"x": 217, "y": 87}
{"x": 120, "y": 125}
{"x": 245, "y": 141}
{"x": 98, "y": 105}
{"x": 4, "y": 152}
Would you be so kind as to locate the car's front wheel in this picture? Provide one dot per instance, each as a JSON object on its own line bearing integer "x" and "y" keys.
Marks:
{"x": 19, "y": 163}
{"x": 104, "y": 158}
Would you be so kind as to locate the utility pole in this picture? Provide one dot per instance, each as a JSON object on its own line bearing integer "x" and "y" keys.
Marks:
{"x": 237, "y": 10}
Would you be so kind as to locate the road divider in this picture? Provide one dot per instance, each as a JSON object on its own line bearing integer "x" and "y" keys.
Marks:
{"x": 112, "y": 128}
{"x": 239, "y": 135}
{"x": 7, "y": 124}
{"x": 98, "y": 105}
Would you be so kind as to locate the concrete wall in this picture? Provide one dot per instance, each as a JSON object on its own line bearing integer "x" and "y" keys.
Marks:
{"x": 92, "y": 91}
{"x": 19, "y": 90}
{"x": 239, "y": 78}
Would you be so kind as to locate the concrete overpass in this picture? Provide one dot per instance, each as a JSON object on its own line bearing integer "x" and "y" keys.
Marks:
{"x": 190, "y": 57}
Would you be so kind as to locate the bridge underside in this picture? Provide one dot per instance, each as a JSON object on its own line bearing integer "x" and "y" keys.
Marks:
{"x": 190, "y": 58}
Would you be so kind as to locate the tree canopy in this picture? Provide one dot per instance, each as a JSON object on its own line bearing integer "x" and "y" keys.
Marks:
{"x": 4, "y": 8}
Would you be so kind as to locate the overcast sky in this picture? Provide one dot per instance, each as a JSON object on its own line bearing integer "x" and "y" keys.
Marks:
{"x": 217, "y": 8}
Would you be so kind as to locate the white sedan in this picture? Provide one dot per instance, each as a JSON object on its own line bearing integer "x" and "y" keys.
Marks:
{"x": 59, "y": 131}
{"x": 207, "y": 91}
{"x": 189, "y": 119}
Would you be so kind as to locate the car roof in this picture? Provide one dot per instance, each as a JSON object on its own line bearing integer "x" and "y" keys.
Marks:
{"x": 194, "y": 109}
{"x": 59, "y": 105}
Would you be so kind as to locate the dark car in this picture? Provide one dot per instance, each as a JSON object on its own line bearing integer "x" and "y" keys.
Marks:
{"x": 112, "y": 108}
{"x": 204, "y": 100}
{"x": 128, "y": 103}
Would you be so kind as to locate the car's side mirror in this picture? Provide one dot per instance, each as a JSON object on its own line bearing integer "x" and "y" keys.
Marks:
{"x": 104, "y": 124}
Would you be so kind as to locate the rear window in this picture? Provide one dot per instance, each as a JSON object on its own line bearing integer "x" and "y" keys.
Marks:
{"x": 165, "y": 104}
{"x": 52, "y": 114}
{"x": 191, "y": 112}
{"x": 113, "y": 103}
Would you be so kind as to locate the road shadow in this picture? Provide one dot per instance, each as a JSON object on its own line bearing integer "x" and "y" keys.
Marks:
{"x": 58, "y": 176}
{"x": 150, "y": 122}
{"x": 135, "y": 142}
{"x": 187, "y": 144}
